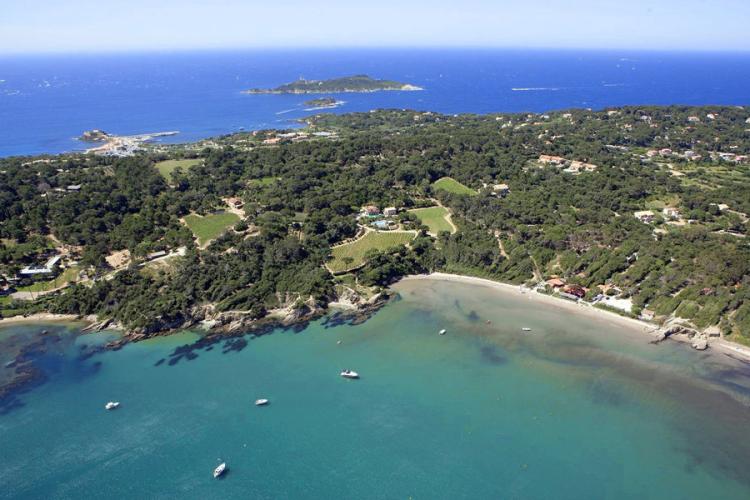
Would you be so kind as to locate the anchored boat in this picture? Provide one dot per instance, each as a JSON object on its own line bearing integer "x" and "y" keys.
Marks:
{"x": 220, "y": 470}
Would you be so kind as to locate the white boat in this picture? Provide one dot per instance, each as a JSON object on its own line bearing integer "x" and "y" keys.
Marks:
{"x": 261, "y": 402}
{"x": 442, "y": 332}
{"x": 220, "y": 470}
{"x": 526, "y": 329}
{"x": 349, "y": 374}
{"x": 111, "y": 405}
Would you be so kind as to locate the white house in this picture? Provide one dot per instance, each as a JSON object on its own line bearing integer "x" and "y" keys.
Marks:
{"x": 47, "y": 268}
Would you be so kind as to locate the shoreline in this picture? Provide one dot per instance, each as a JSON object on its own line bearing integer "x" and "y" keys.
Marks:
{"x": 728, "y": 348}
{"x": 723, "y": 346}
{"x": 42, "y": 318}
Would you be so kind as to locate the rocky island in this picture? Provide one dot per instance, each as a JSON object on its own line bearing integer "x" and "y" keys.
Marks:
{"x": 322, "y": 103}
{"x": 356, "y": 83}
{"x": 94, "y": 135}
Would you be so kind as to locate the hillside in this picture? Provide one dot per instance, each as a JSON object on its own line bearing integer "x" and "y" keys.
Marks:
{"x": 640, "y": 209}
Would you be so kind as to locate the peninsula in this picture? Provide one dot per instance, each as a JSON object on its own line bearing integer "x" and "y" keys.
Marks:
{"x": 641, "y": 211}
{"x": 119, "y": 145}
{"x": 356, "y": 83}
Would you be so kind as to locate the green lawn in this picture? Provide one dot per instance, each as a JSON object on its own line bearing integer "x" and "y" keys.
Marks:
{"x": 434, "y": 218}
{"x": 211, "y": 226}
{"x": 453, "y": 186}
{"x": 356, "y": 250}
{"x": 166, "y": 167}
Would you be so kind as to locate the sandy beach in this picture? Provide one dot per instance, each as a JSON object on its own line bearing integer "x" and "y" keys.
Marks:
{"x": 730, "y": 348}
{"x": 40, "y": 318}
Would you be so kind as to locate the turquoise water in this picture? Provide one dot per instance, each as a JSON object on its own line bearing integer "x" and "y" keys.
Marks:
{"x": 579, "y": 408}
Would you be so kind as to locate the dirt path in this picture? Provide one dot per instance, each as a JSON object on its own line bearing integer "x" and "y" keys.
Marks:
{"x": 447, "y": 217}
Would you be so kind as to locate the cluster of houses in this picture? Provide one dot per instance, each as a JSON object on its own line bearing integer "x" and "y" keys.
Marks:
{"x": 372, "y": 216}
{"x": 670, "y": 214}
{"x": 292, "y": 136}
{"x": 730, "y": 157}
{"x": 609, "y": 295}
{"x": 569, "y": 291}
{"x": 691, "y": 155}
{"x": 570, "y": 166}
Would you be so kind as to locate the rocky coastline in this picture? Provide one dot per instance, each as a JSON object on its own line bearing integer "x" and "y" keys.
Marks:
{"x": 349, "y": 308}
{"x": 292, "y": 313}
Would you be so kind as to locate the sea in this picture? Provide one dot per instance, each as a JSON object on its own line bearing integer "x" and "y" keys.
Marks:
{"x": 46, "y": 101}
{"x": 578, "y": 407}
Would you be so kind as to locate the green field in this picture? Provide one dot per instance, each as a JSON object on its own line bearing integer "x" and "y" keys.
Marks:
{"x": 434, "y": 218}
{"x": 166, "y": 167}
{"x": 211, "y": 226}
{"x": 356, "y": 250}
{"x": 453, "y": 186}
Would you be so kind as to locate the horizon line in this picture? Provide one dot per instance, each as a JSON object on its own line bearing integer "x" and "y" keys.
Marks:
{"x": 307, "y": 48}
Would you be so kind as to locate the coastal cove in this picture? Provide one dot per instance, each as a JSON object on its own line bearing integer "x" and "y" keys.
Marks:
{"x": 580, "y": 406}
{"x": 283, "y": 317}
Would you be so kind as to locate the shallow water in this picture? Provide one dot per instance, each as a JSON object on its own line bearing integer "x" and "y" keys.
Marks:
{"x": 578, "y": 408}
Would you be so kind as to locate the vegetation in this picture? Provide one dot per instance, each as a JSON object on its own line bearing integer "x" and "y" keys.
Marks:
{"x": 436, "y": 218}
{"x": 352, "y": 255}
{"x": 68, "y": 275}
{"x": 167, "y": 167}
{"x": 262, "y": 182}
{"x": 357, "y": 83}
{"x": 302, "y": 198}
{"x": 209, "y": 227}
{"x": 452, "y": 186}
{"x": 323, "y": 102}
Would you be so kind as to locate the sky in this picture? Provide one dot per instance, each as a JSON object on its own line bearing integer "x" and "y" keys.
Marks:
{"x": 163, "y": 25}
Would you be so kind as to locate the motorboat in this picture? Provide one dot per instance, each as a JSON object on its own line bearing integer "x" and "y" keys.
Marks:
{"x": 221, "y": 469}
{"x": 261, "y": 402}
{"x": 526, "y": 329}
{"x": 442, "y": 332}
{"x": 111, "y": 405}
{"x": 350, "y": 374}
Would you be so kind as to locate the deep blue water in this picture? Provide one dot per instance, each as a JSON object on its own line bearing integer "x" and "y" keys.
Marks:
{"x": 46, "y": 101}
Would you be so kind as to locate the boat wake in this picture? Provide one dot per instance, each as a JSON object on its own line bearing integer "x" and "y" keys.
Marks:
{"x": 534, "y": 89}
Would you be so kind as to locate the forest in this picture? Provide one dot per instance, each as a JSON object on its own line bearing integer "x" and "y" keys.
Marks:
{"x": 686, "y": 166}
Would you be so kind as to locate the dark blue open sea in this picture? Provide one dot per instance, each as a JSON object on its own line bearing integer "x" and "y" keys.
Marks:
{"x": 46, "y": 101}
